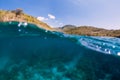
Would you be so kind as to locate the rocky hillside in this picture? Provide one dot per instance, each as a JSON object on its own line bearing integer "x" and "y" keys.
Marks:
{"x": 19, "y": 15}
{"x": 90, "y": 31}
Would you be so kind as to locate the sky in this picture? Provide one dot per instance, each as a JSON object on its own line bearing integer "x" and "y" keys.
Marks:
{"x": 97, "y": 13}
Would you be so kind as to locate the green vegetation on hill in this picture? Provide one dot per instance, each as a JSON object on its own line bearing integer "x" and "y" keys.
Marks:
{"x": 90, "y": 31}
{"x": 18, "y": 15}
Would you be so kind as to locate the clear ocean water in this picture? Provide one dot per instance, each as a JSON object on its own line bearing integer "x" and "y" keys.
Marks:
{"x": 30, "y": 53}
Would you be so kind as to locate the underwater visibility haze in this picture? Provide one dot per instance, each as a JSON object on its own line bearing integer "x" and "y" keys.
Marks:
{"x": 30, "y": 53}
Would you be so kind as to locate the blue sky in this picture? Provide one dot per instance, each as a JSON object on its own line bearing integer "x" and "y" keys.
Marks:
{"x": 98, "y": 13}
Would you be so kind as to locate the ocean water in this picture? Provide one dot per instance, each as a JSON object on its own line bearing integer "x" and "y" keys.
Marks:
{"x": 30, "y": 53}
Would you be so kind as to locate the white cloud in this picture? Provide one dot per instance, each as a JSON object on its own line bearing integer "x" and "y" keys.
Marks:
{"x": 51, "y": 20}
{"x": 51, "y": 16}
{"x": 40, "y": 18}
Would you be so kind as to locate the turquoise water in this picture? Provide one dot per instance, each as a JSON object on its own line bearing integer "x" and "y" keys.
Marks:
{"x": 30, "y": 53}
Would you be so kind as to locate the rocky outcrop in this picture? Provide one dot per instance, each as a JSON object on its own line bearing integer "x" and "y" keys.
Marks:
{"x": 22, "y": 17}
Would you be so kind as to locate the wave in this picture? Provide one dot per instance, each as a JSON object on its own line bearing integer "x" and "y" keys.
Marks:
{"x": 31, "y": 53}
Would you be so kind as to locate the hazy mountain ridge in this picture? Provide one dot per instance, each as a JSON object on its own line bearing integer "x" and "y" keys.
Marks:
{"x": 90, "y": 31}
{"x": 21, "y": 17}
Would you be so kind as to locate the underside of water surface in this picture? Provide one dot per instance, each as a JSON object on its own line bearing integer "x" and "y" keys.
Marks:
{"x": 30, "y": 53}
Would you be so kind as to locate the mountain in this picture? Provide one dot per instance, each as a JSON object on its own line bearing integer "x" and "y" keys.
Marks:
{"x": 19, "y": 15}
{"x": 89, "y": 31}
{"x": 68, "y": 27}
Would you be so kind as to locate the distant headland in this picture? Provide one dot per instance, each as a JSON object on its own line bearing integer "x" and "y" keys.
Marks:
{"x": 90, "y": 31}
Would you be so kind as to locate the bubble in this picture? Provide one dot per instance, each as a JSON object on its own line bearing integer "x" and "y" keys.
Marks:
{"x": 103, "y": 43}
{"x": 19, "y": 30}
{"x": 10, "y": 22}
{"x": 109, "y": 52}
{"x": 105, "y": 50}
{"x": 19, "y": 24}
{"x": 113, "y": 46}
{"x": 118, "y": 53}
{"x": 46, "y": 31}
{"x": 25, "y": 24}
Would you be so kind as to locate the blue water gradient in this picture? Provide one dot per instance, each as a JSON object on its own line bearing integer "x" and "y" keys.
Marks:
{"x": 31, "y": 53}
